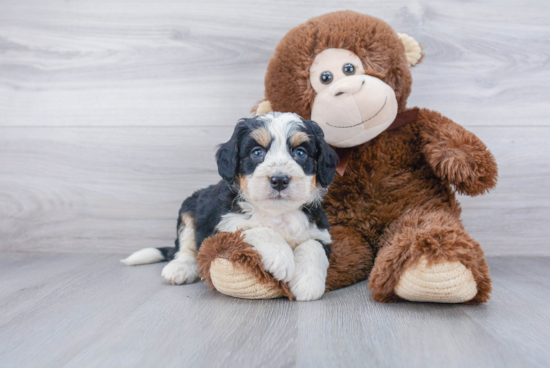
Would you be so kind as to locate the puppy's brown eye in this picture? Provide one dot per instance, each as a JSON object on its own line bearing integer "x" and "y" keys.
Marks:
{"x": 326, "y": 77}
{"x": 348, "y": 69}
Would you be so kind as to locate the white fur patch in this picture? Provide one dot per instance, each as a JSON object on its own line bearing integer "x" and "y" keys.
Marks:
{"x": 182, "y": 270}
{"x": 143, "y": 256}
{"x": 277, "y": 256}
{"x": 310, "y": 274}
{"x": 292, "y": 225}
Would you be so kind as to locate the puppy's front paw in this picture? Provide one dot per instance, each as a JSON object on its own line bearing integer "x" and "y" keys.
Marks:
{"x": 311, "y": 271}
{"x": 177, "y": 272}
{"x": 307, "y": 288}
{"x": 277, "y": 256}
{"x": 279, "y": 264}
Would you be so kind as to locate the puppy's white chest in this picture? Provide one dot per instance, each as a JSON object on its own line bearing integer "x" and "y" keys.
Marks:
{"x": 293, "y": 225}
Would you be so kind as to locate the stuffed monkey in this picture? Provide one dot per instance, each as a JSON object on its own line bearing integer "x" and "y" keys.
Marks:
{"x": 392, "y": 207}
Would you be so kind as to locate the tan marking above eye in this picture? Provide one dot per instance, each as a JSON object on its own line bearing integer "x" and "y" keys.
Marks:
{"x": 298, "y": 138}
{"x": 262, "y": 136}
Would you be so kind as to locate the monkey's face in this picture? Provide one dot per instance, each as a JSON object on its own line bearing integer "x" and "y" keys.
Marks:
{"x": 348, "y": 72}
{"x": 350, "y": 106}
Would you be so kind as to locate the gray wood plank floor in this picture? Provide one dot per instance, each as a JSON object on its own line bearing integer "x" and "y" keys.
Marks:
{"x": 110, "y": 110}
{"x": 88, "y": 310}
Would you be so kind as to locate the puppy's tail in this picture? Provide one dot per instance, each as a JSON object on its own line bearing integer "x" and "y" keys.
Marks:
{"x": 149, "y": 255}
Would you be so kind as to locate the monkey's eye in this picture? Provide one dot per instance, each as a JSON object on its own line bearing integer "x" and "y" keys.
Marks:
{"x": 326, "y": 77}
{"x": 348, "y": 69}
{"x": 257, "y": 153}
{"x": 300, "y": 153}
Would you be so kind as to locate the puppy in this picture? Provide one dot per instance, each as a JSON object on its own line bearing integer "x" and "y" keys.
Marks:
{"x": 275, "y": 169}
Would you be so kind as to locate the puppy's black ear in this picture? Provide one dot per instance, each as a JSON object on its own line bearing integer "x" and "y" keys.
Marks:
{"x": 227, "y": 156}
{"x": 327, "y": 159}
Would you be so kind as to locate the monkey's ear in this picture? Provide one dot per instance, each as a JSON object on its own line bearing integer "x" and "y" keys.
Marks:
{"x": 413, "y": 50}
{"x": 263, "y": 108}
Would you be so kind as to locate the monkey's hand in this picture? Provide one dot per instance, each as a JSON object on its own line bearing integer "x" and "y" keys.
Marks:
{"x": 456, "y": 155}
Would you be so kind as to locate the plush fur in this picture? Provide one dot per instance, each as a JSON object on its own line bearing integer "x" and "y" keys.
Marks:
{"x": 396, "y": 202}
{"x": 393, "y": 176}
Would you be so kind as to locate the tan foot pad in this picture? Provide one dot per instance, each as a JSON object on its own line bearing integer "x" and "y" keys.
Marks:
{"x": 240, "y": 283}
{"x": 447, "y": 282}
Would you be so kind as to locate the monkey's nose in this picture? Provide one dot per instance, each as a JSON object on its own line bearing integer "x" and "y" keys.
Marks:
{"x": 351, "y": 84}
{"x": 279, "y": 182}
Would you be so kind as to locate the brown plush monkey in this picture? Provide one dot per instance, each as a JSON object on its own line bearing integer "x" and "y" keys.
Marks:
{"x": 392, "y": 210}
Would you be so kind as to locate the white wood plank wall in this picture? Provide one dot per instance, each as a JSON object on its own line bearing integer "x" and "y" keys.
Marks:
{"x": 110, "y": 111}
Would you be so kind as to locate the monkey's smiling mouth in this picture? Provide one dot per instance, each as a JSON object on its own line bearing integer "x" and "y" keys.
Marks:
{"x": 364, "y": 121}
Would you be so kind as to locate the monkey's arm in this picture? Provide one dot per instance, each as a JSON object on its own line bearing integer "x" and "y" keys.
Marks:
{"x": 456, "y": 155}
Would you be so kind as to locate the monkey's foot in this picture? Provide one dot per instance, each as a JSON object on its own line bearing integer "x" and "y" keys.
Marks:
{"x": 445, "y": 282}
{"x": 235, "y": 281}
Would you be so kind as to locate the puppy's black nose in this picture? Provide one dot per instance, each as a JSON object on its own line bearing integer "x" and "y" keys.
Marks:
{"x": 279, "y": 182}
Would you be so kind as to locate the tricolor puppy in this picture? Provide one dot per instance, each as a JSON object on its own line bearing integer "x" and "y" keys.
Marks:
{"x": 275, "y": 169}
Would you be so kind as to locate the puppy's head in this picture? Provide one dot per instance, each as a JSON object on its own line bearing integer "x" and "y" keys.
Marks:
{"x": 278, "y": 161}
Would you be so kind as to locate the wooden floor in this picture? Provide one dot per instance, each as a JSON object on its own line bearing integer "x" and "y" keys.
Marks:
{"x": 88, "y": 310}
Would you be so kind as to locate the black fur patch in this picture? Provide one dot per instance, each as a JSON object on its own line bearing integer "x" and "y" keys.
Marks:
{"x": 316, "y": 215}
{"x": 322, "y": 158}
{"x": 207, "y": 206}
{"x": 169, "y": 253}
{"x": 247, "y": 163}
{"x": 233, "y": 157}
{"x": 308, "y": 164}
